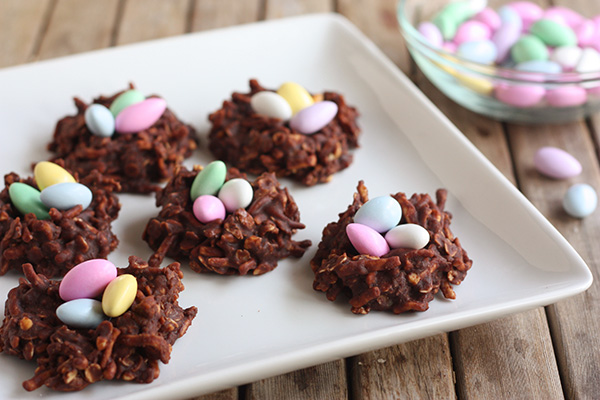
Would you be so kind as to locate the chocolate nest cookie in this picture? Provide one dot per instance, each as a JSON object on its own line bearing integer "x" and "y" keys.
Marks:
{"x": 66, "y": 239}
{"x": 255, "y": 143}
{"x": 247, "y": 241}
{"x": 126, "y": 348}
{"x": 136, "y": 160}
{"x": 401, "y": 280}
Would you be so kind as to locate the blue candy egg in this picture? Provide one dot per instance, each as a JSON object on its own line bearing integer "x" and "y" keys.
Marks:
{"x": 381, "y": 213}
{"x": 81, "y": 313}
{"x": 100, "y": 120}
{"x": 479, "y": 51}
{"x": 580, "y": 200}
{"x": 66, "y": 195}
{"x": 543, "y": 66}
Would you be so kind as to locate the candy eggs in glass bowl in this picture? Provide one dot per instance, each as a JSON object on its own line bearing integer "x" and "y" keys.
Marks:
{"x": 517, "y": 61}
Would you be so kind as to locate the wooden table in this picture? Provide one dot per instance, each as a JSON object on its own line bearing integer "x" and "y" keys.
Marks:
{"x": 546, "y": 353}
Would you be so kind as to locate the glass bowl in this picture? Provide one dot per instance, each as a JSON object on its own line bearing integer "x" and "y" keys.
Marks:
{"x": 498, "y": 91}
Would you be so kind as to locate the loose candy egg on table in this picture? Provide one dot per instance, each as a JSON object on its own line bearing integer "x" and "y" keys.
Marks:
{"x": 81, "y": 313}
{"x": 295, "y": 95}
{"x": 207, "y": 208}
{"x": 366, "y": 240}
{"x": 140, "y": 116}
{"x": 411, "y": 236}
{"x": 119, "y": 295}
{"x": 556, "y": 163}
{"x": 271, "y": 105}
{"x": 27, "y": 200}
{"x": 236, "y": 193}
{"x": 100, "y": 120}
{"x": 209, "y": 180}
{"x": 87, "y": 279}
{"x": 314, "y": 117}
{"x": 66, "y": 195}
{"x": 380, "y": 213}
{"x": 47, "y": 173}
{"x": 580, "y": 200}
{"x": 125, "y": 100}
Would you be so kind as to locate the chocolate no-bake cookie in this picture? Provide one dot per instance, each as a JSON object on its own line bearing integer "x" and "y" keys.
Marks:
{"x": 255, "y": 143}
{"x": 136, "y": 160}
{"x": 250, "y": 240}
{"x": 126, "y": 348}
{"x": 67, "y": 238}
{"x": 401, "y": 280}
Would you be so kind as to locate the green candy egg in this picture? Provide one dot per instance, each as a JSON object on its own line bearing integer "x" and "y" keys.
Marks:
{"x": 126, "y": 99}
{"x": 451, "y": 16}
{"x": 209, "y": 180}
{"x": 553, "y": 34}
{"x": 528, "y": 48}
{"x": 27, "y": 200}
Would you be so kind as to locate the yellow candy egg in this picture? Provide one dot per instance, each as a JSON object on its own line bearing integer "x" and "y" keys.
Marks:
{"x": 119, "y": 295}
{"x": 297, "y": 97}
{"x": 47, "y": 173}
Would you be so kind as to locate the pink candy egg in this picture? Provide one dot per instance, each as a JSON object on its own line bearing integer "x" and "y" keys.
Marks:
{"x": 208, "y": 208}
{"x": 472, "y": 30}
{"x": 490, "y": 17}
{"x": 87, "y": 280}
{"x": 568, "y": 16}
{"x": 519, "y": 96}
{"x": 367, "y": 240}
{"x": 314, "y": 118}
{"x": 586, "y": 33}
{"x": 140, "y": 116}
{"x": 528, "y": 11}
{"x": 568, "y": 96}
{"x": 556, "y": 163}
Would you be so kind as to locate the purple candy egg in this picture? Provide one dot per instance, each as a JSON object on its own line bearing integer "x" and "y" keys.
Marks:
{"x": 314, "y": 118}
{"x": 556, "y": 163}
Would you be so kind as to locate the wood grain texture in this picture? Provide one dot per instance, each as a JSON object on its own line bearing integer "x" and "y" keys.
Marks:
{"x": 22, "y": 24}
{"x": 211, "y": 14}
{"x": 288, "y": 8}
{"x": 77, "y": 26}
{"x": 152, "y": 19}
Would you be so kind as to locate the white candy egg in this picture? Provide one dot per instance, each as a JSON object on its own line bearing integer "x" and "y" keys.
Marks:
{"x": 99, "y": 120}
{"x": 271, "y": 105}
{"x": 411, "y": 236}
{"x": 236, "y": 193}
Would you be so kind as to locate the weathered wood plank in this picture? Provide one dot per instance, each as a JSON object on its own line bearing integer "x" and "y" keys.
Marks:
{"x": 77, "y": 26}
{"x": 152, "y": 19}
{"x": 287, "y": 8}
{"x": 22, "y": 23}
{"x": 212, "y": 14}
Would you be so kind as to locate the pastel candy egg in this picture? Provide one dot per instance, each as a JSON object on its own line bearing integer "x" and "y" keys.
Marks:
{"x": 126, "y": 99}
{"x": 509, "y": 16}
{"x": 553, "y": 33}
{"x": 87, "y": 279}
{"x": 528, "y": 48}
{"x": 119, "y": 295}
{"x": 556, "y": 163}
{"x": 296, "y": 96}
{"x": 66, "y": 195}
{"x": 380, "y": 213}
{"x": 207, "y": 208}
{"x": 472, "y": 30}
{"x": 490, "y": 17}
{"x": 81, "y": 313}
{"x": 271, "y": 105}
{"x": 528, "y": 11}
{"x": 47, "y": 173}
{"x": 452, "y": 15}
{"x": 504, "y": 38}
{"x": 99, "y": 120}
{"x": 479, "y": 51}
{"x": 519, "y": 95}
{"x": 367, "y": 240}
{"x": 475, "y": 83}
{"x": 314, "y": 118}
{"x": 209, "y": 180}
{"x": 431, "y": 33}
{"x": 566, "y": 56}
{"x": 409, "y": 236}
{"x": 567, "y": 96}
{"x": 580, "y": 200}
{"x": 589, "y": 61}
{"x": 585, "y": 33}
{"x": 566, "y": 15}
{"x": 542, "y": 66}
{"x": 236, "y": 193}
{"x": 27, "y": 200}
{"x": 140, "y": 116}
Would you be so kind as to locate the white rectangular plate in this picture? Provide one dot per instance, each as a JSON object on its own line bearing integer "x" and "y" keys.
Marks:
{"x": 249, "y": 328}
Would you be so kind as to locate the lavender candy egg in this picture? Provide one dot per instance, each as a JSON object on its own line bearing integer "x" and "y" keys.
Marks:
{"x": 580, "y": 200}
{"x": 87, "y": 279}
{"x": 409, "y": 236}
{"x": 236, "y": 193}
{"x": 208, "y": 208}
{"x": 431, "y": 33}
{"x": 140, "y": 116}
{"x": 66, "y": 195}
{"x": 380, "y": 213}
{"x": 99, "y": 120}
{"x": 556, "y": 163}
{"x": 271, "y": 105}
{"x": 366, "y": 240}
{"x": 81, "y": 313}
{"x": 315, "y": 117}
